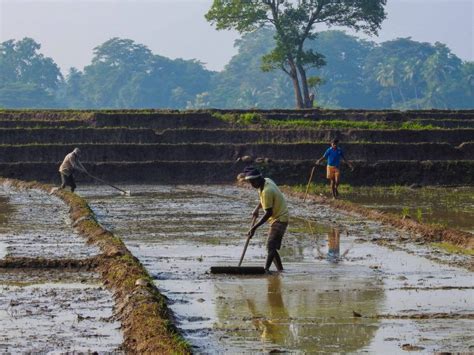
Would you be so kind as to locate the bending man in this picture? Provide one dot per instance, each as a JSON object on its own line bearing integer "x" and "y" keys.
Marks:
{"x": 334, "y": 154}
{"x": 273, "y": 203}
{"x": 70, "y": 164}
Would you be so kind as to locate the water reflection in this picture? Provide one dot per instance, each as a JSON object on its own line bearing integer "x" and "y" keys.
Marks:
{"x": 333, "y": 254}
{"x": 293, "y": 313}
{"x": 272, "y": 329}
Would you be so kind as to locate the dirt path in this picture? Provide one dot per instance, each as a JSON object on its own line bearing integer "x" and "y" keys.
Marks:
{"x": 371, "y": 298}
{"x": 51, "y": 300}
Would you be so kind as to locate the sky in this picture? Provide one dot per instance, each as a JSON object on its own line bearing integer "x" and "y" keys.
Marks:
{"x": 68, "y": 30}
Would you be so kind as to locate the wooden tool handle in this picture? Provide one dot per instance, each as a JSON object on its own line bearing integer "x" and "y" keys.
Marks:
{"x": 254, "y": 220}
{"x": 309, "y": 182}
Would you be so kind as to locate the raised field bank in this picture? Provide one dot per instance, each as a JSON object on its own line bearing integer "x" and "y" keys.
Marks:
{"x": 388, "y": 147}
{"x": 131, "y": 273}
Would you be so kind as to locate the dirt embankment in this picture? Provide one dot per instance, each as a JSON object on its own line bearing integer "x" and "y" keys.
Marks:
{"x": 236, "y": 136}
{"x": 68, "y": 135}
{"x": 45, "y": 115}
{"x": 40, "y": 123}
{"x": 230, "y": 152}
{"x": 158, "y": 121}
{"x": 419, "y": 231}
{"x": 76, "y": 135}
{"x": 436, "y": 173}
{"x": 146, "y": 319}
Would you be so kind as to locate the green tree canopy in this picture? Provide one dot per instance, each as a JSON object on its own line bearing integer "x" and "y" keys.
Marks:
{"x": 124, "y": 74}
{"x": 294, "y": 23}
{"x": 27, "y": 77}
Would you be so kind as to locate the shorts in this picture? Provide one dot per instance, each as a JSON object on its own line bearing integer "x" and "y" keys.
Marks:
{"x": 333, "y": 173}
{"x": 275, "y": 235}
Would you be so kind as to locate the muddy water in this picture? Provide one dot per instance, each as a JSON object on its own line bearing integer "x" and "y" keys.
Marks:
{"x": 452, "y": 207}
{"x": 33, "y": 224}
{"x": 333, "y": 274}
{"x": 55, "y": 313}
{"x": 56, "y": 310}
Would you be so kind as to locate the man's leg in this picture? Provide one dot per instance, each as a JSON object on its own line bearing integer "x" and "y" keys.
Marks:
{"x": 337, "y": 175}
{"x": 63, "y": 181}
{"x": 330, "y": 177}
{"x": 270, "y": 256}
{"x": 277, "y": 261}
{"x": 275, "y": 236}
{"x": 72, "y": 183}
{"x": 333, "y": 188}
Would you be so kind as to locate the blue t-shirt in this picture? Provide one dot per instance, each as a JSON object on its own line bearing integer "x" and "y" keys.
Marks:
{"x": 334, "y": 156}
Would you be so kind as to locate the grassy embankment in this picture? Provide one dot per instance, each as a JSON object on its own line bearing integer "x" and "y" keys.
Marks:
{"x": 249, "y": 119}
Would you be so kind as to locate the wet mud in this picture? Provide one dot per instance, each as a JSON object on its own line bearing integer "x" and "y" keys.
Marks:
{"x": 342, "y": 289}
{"x": 51, "y": 298}
{"x": 37, "y": 225}
{"x": 37, "y": 315}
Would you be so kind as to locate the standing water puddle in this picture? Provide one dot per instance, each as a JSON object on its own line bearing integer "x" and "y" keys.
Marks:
{"x": 331, "y": 276}
{"x": 448, "y": 206}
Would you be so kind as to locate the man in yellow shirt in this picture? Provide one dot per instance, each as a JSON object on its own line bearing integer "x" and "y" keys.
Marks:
{"x": 273, "y": 203}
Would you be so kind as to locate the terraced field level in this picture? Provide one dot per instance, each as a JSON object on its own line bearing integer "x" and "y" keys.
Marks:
{"x": 214, "y": 146}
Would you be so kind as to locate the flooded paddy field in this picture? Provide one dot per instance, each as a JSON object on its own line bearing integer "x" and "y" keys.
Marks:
{"x": 33, "y": 224}
{"x": 43, "y": 312}
{"x": 340, "y": 292}
{"x": 448, "y": 206}
{"x": 49, "y": 307}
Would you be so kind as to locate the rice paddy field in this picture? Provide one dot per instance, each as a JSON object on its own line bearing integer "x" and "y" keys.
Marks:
{"x": 351, "y": 283}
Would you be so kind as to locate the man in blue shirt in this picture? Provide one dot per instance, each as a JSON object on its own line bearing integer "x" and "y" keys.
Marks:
{"x": 334, "y": 154}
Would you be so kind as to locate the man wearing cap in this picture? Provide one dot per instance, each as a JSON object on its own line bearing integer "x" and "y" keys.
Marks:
{"x": 334, "y": 154}
{"x": 273, "y": 203}
{"x": 70, "y": 164}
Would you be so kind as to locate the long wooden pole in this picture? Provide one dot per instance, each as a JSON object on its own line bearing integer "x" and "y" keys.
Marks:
{"x": 309, "y": 182}
{"x": 254, "y": 220}
{"x": 106, "y": 183}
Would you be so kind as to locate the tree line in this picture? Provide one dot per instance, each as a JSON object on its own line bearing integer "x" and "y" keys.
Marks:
{"x": 353, "y": 73}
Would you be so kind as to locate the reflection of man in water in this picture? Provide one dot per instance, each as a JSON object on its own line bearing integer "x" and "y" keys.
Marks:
{"x": 334, "y": 247}
{"x": 274, "y": 326}
{"x": 334, "y": 239}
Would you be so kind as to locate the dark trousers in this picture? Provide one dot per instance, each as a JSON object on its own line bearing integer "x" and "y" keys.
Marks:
{"x": 275, "y": 236}
{"x": 68, "y": 180}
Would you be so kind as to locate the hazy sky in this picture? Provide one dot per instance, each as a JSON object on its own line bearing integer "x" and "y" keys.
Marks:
{"x": 68, "y": 30}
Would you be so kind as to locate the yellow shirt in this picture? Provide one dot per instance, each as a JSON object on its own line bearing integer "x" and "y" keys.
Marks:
{"x": 271, "y": 197}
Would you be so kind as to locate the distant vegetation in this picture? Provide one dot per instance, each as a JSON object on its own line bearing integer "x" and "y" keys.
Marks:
{"x": 294, "y": 24}
{"x": 398, "y": 74}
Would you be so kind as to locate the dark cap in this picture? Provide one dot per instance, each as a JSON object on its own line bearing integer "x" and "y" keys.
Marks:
{"x": 252, "y": 173}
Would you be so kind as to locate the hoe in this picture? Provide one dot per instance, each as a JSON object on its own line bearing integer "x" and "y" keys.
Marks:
{"x": 123, "y": 192}
{"x": 240, "y": 270}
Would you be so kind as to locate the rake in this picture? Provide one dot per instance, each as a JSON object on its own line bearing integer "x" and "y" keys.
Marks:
{"x": 240, "y": 270}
